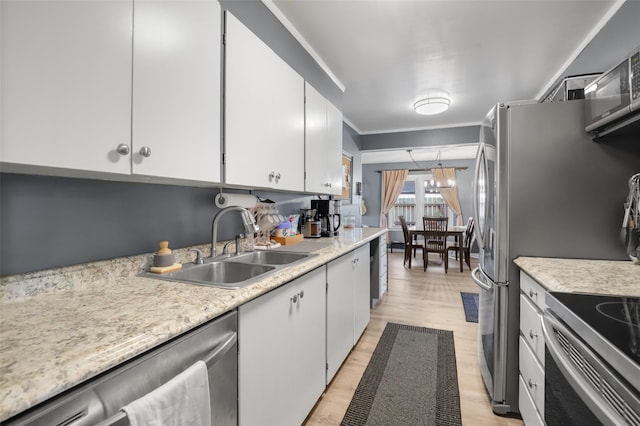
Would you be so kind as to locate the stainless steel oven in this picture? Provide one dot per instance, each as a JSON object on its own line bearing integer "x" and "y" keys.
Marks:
{"x": 592, "y": 360}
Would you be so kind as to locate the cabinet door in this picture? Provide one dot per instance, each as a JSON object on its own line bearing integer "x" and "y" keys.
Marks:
{"x": 281, "y": 352}
{"x": 66, "y": 83}
{"x": 315, "y": 141}
{"x": 334, "y": 149}
{"x": 309, "y": 362}
{"x": 362, "y": 291}
{"x": 264, "y": 114}
{"x": 340, "y": 312}
{"x": 287, "y": 125}
{"x": 248, "y": 140}
{"x": 176, "y": 89}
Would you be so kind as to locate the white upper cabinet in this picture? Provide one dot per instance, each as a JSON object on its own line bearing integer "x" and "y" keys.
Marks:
{"x": 323, "y": 144}
{"x": 176, "y": 89}
{"x": 66, "y": 83}
{"x": 69, "y": 102}
{"x": 264, "y": 114}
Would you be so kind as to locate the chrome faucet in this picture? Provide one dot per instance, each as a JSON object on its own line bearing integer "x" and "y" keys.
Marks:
{"x": 249, "y": 223}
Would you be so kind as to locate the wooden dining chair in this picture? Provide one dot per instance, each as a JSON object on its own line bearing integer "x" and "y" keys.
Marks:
{"x": 409, "y": 244}
{"x": 463, "y": 247}
{"x": 435, "y": 240}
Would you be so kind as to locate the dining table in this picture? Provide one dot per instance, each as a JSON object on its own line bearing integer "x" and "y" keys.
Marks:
{"x": 455, "y": 231}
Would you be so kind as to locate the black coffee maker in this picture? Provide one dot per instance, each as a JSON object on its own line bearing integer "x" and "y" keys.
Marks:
{"x": 329, "y": 219}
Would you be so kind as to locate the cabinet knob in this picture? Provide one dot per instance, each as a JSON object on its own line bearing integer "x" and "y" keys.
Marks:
{"x": 532, "y": 334}
{"x": 122, "y": 149}
{"x": 327, "y": 184}
{"x": 294, "y": 299}
{"x": 532, "y": 293}
{"x": 278, "y": 176}
{"x": 271, "y": 176}
{"x": 145, "y": 151}
{"x": 532, "y": 383}
{"x": 301, "y": 294}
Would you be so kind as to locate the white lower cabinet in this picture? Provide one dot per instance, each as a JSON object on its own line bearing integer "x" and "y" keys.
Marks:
{"x": 281, "y": 352}
{"x": 348, "y": 293}
{"x": 362, "y": 277}
{"x": 528, "y": 411}
{"x": 531, "y": 351}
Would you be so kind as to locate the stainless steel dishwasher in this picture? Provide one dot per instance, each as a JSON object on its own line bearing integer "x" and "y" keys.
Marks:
{"x": 98, "y": 401}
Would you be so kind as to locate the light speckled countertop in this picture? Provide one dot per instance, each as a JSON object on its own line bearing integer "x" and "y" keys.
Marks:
{"x": 583, "y": 276}
{"x": 61, "y": 327}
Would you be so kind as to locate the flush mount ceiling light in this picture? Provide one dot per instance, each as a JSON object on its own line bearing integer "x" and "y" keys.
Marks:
{"x": 433, "y": 104}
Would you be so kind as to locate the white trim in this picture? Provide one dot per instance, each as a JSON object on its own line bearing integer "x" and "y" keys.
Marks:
{"x": 294, "y": 32}
{"x": 594, "y": 31}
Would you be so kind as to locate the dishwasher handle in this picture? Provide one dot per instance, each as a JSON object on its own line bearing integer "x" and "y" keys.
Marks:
{"x": 121, "y": 419}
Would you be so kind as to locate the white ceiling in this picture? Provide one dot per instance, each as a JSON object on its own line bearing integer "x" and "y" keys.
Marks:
{"x": 387, "y": 53}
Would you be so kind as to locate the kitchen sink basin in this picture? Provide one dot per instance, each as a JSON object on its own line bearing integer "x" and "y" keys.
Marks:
{"x": 233, "y": 272}
{"x": 272, "y": 257}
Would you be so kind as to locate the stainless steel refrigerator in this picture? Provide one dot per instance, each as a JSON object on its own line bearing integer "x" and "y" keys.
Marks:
{"x": 542, "y": 188}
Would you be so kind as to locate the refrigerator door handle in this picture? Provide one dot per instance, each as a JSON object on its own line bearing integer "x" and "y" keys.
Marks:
{"x": 476, "y": 210}
{"x": 475, "y": 275}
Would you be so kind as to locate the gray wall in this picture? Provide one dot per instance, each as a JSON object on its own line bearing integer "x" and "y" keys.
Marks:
{"x": 418, "y": 138}
{"x": 48, "y": 222}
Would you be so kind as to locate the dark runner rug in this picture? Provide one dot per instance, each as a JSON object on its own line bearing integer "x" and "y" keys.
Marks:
{"x": 410, "y": 380}
{"x": 470, "y": 304}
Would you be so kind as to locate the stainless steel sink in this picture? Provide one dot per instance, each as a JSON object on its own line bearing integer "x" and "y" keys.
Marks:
{"x": 233, "y": 272}
{"x": 272, "y": 257}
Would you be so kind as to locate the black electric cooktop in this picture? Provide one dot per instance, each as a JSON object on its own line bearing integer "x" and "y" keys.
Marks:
{"x": 614, "y": 318}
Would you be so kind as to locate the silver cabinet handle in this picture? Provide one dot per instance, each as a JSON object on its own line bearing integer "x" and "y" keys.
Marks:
{"x": 271, "y": 176}
{"x": 278, "y": 176}
{"x": 122, "y": 149}
{"x": 532, "y": 293}
{"x": 532, "y": 383}
{"x": 301, "y": 294}
{"x": 327, "y": 184}
{"x": 532, "y": 334}
{"x": 294, "y": 299}
{"x": 145, "y": 151}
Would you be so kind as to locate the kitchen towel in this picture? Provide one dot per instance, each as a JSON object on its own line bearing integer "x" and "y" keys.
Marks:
{"x": 183, "y": 400}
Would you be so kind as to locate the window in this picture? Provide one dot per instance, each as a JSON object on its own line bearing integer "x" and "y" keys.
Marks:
{"x": 415, "y": 204}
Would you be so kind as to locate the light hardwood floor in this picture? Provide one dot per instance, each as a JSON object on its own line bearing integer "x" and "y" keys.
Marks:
{"x": 429, "y": 299}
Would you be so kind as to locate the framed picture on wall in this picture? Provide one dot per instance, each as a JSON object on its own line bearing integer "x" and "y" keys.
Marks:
{"x": 347, "y": 163}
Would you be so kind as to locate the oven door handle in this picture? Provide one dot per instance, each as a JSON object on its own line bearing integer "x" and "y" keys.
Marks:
{"x": 583, "y": 387}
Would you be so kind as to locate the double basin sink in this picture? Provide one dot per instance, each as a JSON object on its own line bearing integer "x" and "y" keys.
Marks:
{"x": 234, "y": 271}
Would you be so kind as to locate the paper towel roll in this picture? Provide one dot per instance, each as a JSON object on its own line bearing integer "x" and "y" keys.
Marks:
{"x": 242, "y": 200}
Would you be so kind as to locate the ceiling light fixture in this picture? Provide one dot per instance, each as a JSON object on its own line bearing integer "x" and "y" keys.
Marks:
{"x": 433, "y": 104}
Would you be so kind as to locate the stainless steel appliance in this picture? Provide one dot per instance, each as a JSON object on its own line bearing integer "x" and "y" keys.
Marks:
{"x": 613, "y": 100}
{"x": 98, "y": 401}
{"x": 309, "y": 226}
{"x": 570, "y": 88}
{"x": 592, "y": 360}
{"x": 325, "y": 213}
{"x": 542, "y": 187}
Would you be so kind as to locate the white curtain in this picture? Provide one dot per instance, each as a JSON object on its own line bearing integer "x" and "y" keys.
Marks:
{"x": 392, "y": 182}
{"x": 443, "y": 176}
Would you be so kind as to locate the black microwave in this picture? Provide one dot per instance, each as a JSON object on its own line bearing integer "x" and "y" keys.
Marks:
{"x": 613, "y": 100}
